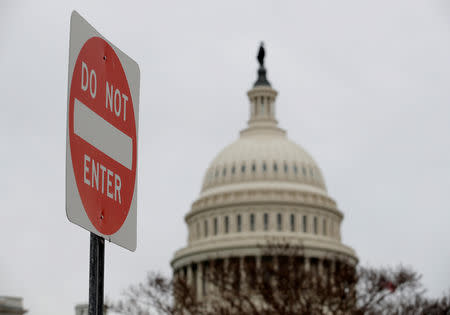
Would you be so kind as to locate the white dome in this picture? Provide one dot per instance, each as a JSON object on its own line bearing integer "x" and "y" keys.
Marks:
{"x": 262, "y": 156}
{"x": 261, "y": 188}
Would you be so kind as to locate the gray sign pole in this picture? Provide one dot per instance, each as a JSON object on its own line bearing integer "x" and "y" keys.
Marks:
{"x": 96, "y": 274}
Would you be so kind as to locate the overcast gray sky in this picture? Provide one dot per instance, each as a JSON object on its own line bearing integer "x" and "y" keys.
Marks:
{"x": 364, "y": 87}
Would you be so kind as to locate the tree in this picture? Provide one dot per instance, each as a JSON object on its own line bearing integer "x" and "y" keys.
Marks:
{"x": 279, "y": 286}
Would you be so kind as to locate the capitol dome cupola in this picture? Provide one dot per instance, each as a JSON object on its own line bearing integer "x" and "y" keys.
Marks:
{"x": 262, "y": 98}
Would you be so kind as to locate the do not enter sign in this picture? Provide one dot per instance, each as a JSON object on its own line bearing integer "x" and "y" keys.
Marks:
{"x": 102, "y": 137}
{"x": 102, "y": 133}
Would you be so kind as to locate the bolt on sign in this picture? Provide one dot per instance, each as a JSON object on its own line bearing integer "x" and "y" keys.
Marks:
{"x": 101, "y": 143}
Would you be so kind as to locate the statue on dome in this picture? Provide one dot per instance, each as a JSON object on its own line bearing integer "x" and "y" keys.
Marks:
{"x": 262, "y": 80}
{"x": 261, "y": 54}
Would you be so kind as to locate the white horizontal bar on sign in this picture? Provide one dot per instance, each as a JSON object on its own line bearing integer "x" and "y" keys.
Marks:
{"x": 99, "y": 133}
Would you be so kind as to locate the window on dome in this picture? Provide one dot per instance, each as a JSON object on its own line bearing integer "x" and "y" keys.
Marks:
{"x": 239, "y": 223}
{"x": 266, "y": 221}
{"x": 233, "y": 170}
{"x": 253, "y": 167}
{"x": 279, "y": 222}
{"x": 226, "y": 225}
{"x": 305, "y": 224}
{"x": 315, "y": 225}
{"x": 292, "y": 222}
{"x": 243, "y": 168}
{"x": 224, "y": 172}
{"x": 275, "y": 167}
{"x": 311, "y": 173}
{"x": 264, "y": 166}
{"x": 252, "y": 222}
{"x": 198, "y": 230}
{"x": 215, "y": 226}
{"x": 206, "y": 228}
{"x": 295, "y": 169}
{"x": 324, "y": 226}
{"x": 304, "y": 171}
{"x": 285, "y": 168}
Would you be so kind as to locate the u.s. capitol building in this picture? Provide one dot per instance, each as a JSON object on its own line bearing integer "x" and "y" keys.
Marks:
{"x": 261, "y": 187}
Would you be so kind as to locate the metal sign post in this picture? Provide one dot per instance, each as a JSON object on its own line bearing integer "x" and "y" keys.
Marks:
{"x": 96, "y": 274}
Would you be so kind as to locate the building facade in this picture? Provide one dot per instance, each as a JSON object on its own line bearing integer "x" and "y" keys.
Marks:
{"x": 10, "y": 305}
{"x": 261, "y": 188}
